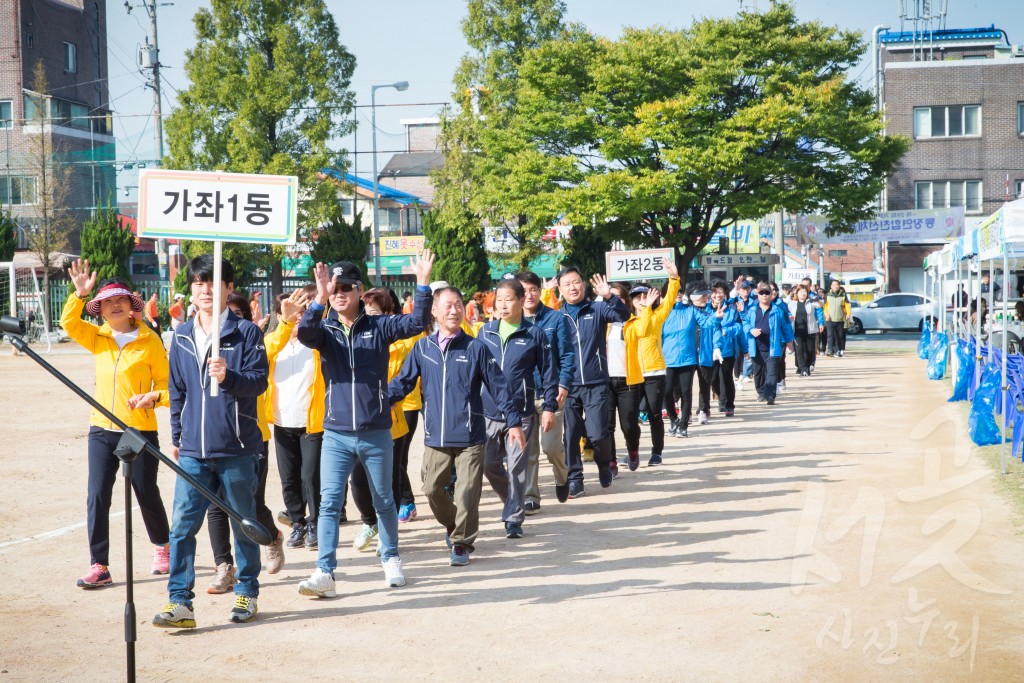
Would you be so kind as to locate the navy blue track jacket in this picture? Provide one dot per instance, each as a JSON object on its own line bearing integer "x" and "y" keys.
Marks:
{"x": 526, "y": 352}
{"x": 355, "y": 365}
{"x": 452, "y": 382}
{"x": 203, "y": 426}
{"x": 589, "y": 329}
{"x": 558, "y": 330}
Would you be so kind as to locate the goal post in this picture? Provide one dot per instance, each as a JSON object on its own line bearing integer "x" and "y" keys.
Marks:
{"x": 22, "y": 297}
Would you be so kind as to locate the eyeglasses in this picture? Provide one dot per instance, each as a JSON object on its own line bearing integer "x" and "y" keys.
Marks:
{"x": 764, "y": 293}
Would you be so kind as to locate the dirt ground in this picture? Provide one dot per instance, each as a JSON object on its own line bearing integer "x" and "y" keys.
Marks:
{"x": 847, "y": 533}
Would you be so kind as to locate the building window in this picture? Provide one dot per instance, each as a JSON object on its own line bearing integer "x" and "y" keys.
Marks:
{"x": 1020, "y": 118}
{"x": 1018, "y": 189}
{"x": 66, "y": 113}
{"x": 70, "y": 58}
{"x": 6, "y": 114}
{"x": 837, "y": 253}
{"x": 941, "y": 194}
{"x": 20, "y": 191}
{"x": 954, "y": 121}
{"x": 28, "y": 40}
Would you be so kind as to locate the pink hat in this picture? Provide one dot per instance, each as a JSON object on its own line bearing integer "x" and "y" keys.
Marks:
{"x": 109, "y": 291}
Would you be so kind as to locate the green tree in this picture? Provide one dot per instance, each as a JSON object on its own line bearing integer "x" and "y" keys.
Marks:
{"x": 461, "y": 259}
{"x": 674, "y": 134}
{"x": 8, "y": 236}
{"x": 486, "y": 175}
{"x": 340, "y": 240}
{"x": 585, "y": 248}
{"x": 268, "y": 92}
{"x": 107, "y": 245}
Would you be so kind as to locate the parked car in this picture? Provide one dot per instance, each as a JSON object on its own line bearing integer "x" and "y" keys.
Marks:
{"x": 894, "y": 312}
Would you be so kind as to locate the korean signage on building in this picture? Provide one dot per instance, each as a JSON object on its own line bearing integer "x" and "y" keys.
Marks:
{"x": 739, "y": 260}
{"x": 888, "y": 226}
{"x": 744, "y": 238}
{"x": 401, "y": 246}
{"x": 639, "y": 264}
{"x": 229, "y": 207}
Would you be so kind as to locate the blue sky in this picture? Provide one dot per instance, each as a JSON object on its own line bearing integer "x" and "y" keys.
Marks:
{"x": 421, "y": 41}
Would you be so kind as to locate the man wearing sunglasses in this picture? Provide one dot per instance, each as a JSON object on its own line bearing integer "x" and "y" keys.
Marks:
{"x": 354, "y": 352}
{"x": 764, "y": 323}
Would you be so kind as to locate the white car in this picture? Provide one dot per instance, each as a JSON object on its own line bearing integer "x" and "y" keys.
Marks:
{"x": 894, "y": 312}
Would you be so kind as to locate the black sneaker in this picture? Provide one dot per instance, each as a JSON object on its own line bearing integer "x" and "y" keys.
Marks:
{"x": 672, "y": 428}
{"x": 655, "y": 459}
{"x": 771, "y": 401}
{"x": 513, "y": 530}
{"x": 605, "y": 476}
{"x": 682, "y": 433}
{"x": 575, "y": 489}
{"x": 562, "y": 492}
{"x": 284, "y": 520}
{"x": 297, "y": 539}
{"x": 311, "y": 539}
{"x": 531, "y": 508}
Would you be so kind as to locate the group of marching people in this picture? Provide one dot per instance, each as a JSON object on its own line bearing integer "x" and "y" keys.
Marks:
{"x": 345, "y": 381}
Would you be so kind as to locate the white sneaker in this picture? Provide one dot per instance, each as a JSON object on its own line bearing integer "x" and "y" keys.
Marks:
{"x": 393, "y": 575}
{"x": 275, "y": 554}
{"x": 702, "y": 418}
{"x": 840, "y": 354}
{"x": 364, "y": 538}
{"x": 738, "y": 384}
{"x": 811, "y": 369}
{"x": 320, "y": 584}
{"x": 781, "y": 386}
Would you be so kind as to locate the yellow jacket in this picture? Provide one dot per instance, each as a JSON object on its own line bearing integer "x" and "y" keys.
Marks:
{"x": 548, "y": 298}
{"x": 275, "y": 343}
{"x": 643, "y": 337}
{"x": 399, "y": 350}
{"x": 138, "y": 368}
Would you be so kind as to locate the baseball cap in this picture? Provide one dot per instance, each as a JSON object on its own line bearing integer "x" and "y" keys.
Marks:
{"x": 346, "y": 273}
{"x": 746, "y": 284}
{"x": 438, "y": 284}
{"x": 508, "y": 276}
{"x": 179, "y": 295}
{"x": 639, "y": 289}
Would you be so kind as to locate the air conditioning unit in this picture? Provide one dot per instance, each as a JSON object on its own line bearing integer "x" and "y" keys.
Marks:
{"x": 1017, "y": 50}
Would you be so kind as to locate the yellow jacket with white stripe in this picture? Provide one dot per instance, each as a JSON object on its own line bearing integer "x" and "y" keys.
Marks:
{"x": 399, "y": 350}
{"x": 139, "y": 367}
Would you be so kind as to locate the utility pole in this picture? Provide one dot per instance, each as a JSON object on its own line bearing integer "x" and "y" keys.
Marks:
{"x": 149, "y": 58}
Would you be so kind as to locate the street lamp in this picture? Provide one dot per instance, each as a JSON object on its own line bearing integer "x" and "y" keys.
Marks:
{"x": 399, "y": 86}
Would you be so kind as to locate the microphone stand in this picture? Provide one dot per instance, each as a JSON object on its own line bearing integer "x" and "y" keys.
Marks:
{"x": 131, "y": 445}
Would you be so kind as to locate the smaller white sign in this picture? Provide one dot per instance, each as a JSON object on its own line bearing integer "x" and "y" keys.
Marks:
{"x": 740, "y": 260}
{"x": 793, "y": 276}
{"x": 638, "y": 264}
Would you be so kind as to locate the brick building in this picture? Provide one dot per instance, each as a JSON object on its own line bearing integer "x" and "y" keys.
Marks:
{"x": 958, "y": 94}
{"x": 70, "y": 38}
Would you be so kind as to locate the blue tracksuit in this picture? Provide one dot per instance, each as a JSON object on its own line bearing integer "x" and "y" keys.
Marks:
{"x": 727, "y": 331}
{"x": 589, "y": 326}
{"x": 451, "y": 384}
{"x": 776, "y": 328}
{"x": 525, "y": 353}
{"x": 679, "y": 336}
{"x": 355, "y": 365}
{"x": 203, "y": 426}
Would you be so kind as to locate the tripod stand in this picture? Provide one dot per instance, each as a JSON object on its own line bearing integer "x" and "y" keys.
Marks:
{"x": 131, "y": 445}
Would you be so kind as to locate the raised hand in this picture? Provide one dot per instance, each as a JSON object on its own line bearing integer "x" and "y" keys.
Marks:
{"x": 262, "y": 322}
{"x": 670, "y": 267}
{"x": 292, "y": 307}
{"x": 649, "y": 298}
{"x": 421, "y": 265}
{"x": 549, "y": 284}
{"x": 324, "y": 283}
{"x": 600, "y": 284}
{"x": 83, "y": 280}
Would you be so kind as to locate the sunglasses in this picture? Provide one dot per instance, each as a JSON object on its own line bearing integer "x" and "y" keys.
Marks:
{"x": 339, "y": 287}
{"x": 765, "y": 292}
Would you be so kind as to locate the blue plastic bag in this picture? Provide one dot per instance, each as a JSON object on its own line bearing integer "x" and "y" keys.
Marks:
{"x": 925, "y": 342}
{"x": 964, "y": 371}
{"x": 981, "y": 424}
{"x": 937, "y": 356}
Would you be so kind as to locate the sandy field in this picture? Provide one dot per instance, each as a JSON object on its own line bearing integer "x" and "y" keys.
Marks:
{"x": 849, "y": 532}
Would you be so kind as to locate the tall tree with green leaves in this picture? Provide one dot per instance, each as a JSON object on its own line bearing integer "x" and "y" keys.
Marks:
{"x": 8, "y": 236}
{"x": 585, "y": 248}
{"x": 485, "y": 178}
{"x": 268, "y": 92}
{"x": 107, "y": 245}
{"x": 340, "y": 240}
{"x": 461, "y": 259}
{"x": 673, "y": 134}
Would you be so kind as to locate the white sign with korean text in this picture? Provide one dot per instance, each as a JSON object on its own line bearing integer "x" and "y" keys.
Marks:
{"x": 229, "y": 207}
{"x": 793, "y": 276}
{"x": 638, "y": 264}
{"x": 888, "y": 226}
{"x": 739, "y": 260}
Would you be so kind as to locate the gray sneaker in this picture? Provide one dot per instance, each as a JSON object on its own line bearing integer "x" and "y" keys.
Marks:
{"x": 275, "y": 554}
{"x": 223, "y": 580}
{"x": 460, "y": 556}
{"x": 244, "y": 610}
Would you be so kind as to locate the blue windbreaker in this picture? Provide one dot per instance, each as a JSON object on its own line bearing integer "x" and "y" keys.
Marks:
{"x": 204, "y": 426}
{"x": 679, "y": 335}
{"x": 451, "y": 385}
{"x": 589, "y": 330}
{"x": 563, "y": 350}
{"x": 727, "y": 331}
{"x": 525, "y": 353}
{"x": 776, "y": 329}
{"x": 355, "y": 365}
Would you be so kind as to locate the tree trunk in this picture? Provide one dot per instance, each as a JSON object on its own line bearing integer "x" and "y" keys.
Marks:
{"x": 276, "y": 278}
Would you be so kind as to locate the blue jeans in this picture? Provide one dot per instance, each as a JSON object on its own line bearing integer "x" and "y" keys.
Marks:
{"x": 374, "y": 449}
{"x": 236, "y": 477}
